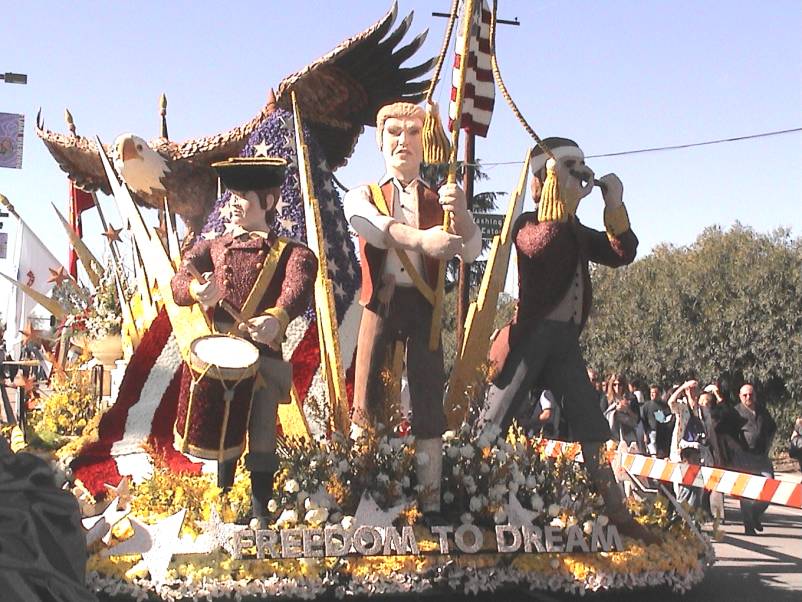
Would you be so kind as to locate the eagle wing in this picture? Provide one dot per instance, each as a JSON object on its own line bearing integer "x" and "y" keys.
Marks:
{"x": 341, "y": 92}
{"x": 77, "y": 156}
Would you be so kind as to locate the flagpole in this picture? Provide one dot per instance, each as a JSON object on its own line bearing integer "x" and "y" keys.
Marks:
{"x": 463, "y": 283}
{"x": 439, "y": 293}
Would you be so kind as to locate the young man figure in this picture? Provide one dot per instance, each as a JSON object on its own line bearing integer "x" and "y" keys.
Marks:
{"x": 541, "y": 344}
{"x": 401, "y": 242}
{"x": 232, "y": 265}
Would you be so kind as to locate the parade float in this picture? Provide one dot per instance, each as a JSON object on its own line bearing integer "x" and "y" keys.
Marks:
{"x": 345, "y": 516}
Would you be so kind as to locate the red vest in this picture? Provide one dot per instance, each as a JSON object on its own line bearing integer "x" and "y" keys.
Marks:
{"x": 430, "y": 214}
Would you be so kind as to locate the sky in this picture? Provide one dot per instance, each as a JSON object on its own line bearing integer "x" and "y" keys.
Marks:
{"x": 613, "y": 75}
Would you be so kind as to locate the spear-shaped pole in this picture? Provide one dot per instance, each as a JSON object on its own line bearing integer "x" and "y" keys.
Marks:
{"x": 439, "y": 293}
{"x": 330, "y": 357}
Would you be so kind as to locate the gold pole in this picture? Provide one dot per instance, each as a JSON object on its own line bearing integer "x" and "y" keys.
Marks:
{"x": 437, "y": 310}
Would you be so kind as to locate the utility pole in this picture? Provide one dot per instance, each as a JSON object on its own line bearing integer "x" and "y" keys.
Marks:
{"x": 463, "y": 280}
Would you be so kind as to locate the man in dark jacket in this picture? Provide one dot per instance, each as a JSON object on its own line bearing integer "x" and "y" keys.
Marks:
{"x": 541, "y": 344}
{"x": 758, "y": 431}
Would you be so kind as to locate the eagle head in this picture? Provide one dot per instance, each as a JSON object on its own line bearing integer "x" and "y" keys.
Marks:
{"x": 141, "y": 167}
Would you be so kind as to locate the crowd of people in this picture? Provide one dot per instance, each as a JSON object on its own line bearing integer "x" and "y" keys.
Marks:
{"x": 683, "y": 423}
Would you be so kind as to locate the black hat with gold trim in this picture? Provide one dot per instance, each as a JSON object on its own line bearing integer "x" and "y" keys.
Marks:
{"x": 251, "y": 173}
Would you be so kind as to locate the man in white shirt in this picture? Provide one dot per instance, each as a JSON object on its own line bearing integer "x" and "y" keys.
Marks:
{"x": 401, "y": 240}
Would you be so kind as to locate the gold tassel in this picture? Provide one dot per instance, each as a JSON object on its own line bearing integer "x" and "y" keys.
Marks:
{"x": 551, "y": 207}
{"x": 435, "y": 143}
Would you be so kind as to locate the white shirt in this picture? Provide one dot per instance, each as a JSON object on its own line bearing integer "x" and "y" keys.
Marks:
{"x": 372, "y": 225}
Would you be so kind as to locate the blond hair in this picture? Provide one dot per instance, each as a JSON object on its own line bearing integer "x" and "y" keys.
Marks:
{"x": 398, "y": 110}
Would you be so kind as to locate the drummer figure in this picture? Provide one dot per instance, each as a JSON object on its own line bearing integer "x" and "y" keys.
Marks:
{"x": 230, "y": 268}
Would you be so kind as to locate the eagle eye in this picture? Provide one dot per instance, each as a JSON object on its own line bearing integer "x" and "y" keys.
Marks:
{"x": 139, "y": 147}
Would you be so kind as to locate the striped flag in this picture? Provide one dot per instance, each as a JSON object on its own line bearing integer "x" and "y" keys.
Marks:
{"x": 480, "y": 91}
{"x": 140, "y": 423}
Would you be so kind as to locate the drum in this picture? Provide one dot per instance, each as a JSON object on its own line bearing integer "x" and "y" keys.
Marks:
{"x": 214, "y": 401}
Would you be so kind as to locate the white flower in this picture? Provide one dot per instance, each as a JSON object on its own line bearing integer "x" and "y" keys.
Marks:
{"x": 452, "y": 451}
{"x": 396, "y": 443}
{"x": 292, "y": 486}
{"x": 448, "y": 497}
{"x": 422, "y": 458}
{"x": 497, "y": 492}
{"x": 405, "y": 482}
{"x": 456, "y": 470}
{"x": 310, "y": 504}
{"x": 316, "y": 516}
{"x": 500, "y": 455}
{"x": 484, "y": 468}
{"x": 513, "y": 487}
{"x": 347, "y": 522}
{"x": 537, "y": 503}
{"x": 385, "y": 449}
{"x": 382, "y": 479}
{"x": 466, "y": 518}
{"x": 557, "y": 522}
{"x": 449, "y": 435}
{"x": 475, "y": 504}
{"x": 343, "y": 465}
{"x": 554, "y": 509}
{"x": 500, "y": 516}
{"x": 483, "y": 441}
{"x": 468, "y": 480}
{"x": 587, "y": 527}
{"x": 531, "y": 482}
{"x": 602, "y": 520}
{"x": 518, "y": 477}
{"x": 272, "y": 506}
{"x": 287, "y": 518}
{"x": 467, "y": 451}
{"x": 471, "y": 489}
{"x": 492, "y": 430}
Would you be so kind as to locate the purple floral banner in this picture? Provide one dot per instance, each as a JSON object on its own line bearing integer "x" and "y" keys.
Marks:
{"x": 12, "y": 127}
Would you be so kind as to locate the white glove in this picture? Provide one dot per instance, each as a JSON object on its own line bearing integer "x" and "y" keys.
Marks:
{"x": 207, "y": 294}
{"x": 263, "y": 329}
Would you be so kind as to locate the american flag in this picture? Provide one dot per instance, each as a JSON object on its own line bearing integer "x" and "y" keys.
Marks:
{"x": 141, "y": 421}
{"x": 480, "y": 91}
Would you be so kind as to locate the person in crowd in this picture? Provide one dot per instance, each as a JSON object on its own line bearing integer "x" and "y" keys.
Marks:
{"x": 689, "y": 433}
{"x": 758, "y": 430}
{"x": 625, "y": 423}
{"x": 615, "y": 390}
{"x": 658, "y": 423}
{"x": 795, "y": 449}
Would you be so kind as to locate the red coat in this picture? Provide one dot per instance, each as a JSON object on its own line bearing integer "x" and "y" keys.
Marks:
{"x": 430, "y": 214}
{"x": 548, "y": 254}
{"x": 236, "y": 263}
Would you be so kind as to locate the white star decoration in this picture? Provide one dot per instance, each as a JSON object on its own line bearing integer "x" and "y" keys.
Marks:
{"x": 262, "y": 149}
{"x": 350, "y": 270}
{"x": 156, "y": 543}
{"x": 339, "y": 290}
{"x": 122, "y": 491}
{"x": 327, "y": 186}
{"x": 217, "y": 534}
{"x": 517, "y": 515}
{"x": 99, "y": 527}
{"x": 369, "y": 513}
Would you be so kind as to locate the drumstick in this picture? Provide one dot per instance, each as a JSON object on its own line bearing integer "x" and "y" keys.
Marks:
{"x": 223, "y": 303}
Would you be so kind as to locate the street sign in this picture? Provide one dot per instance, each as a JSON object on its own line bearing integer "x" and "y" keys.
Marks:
{"x": 489, "y": 223}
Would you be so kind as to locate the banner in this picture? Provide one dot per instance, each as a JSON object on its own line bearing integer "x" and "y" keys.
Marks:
{"x": 12, "y": 127}
{"x": 80, "y": 201}
{"x": 33, "y": 262}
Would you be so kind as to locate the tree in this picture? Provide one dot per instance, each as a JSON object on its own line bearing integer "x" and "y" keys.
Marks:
{"x": 727, "y": 306}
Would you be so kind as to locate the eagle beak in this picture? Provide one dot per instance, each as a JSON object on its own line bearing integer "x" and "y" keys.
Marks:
{"x": 128, "y": 150}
